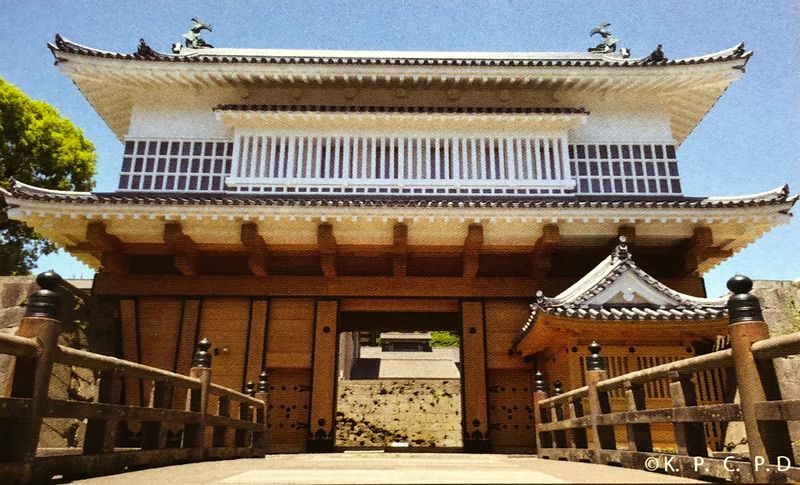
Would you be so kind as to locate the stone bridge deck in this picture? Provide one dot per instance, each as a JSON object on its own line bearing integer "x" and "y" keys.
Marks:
{"x": 367, "y": 467}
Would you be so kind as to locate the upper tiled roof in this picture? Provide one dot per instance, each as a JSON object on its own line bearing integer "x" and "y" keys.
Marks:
{"x": 278, "y": 56}
{"x": 771, "y": 198}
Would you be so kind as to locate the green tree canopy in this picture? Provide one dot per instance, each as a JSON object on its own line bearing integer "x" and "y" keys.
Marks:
{"x": 40, "y": 147}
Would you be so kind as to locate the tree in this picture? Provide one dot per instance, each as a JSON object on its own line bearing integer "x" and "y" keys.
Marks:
{"x": 40, "y": 147}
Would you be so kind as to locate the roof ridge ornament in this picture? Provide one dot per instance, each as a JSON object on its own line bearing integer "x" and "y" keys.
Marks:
{"x": 609, "y": 43}
{"x": 655, "y": 56}
{"x": 621, "y": 251}
{"x": 192, "y": 37}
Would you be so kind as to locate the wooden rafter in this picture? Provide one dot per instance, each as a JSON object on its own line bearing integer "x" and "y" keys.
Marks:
{"x": 544, "y": 248}
{"x": 184, "y": 248}
{"x": 699, "y": 251}
{"x": 256, "y": 248}
{"x": 327, "y": 249}
{"x": 400, "y": 248}
{"x": 472, "y": 247}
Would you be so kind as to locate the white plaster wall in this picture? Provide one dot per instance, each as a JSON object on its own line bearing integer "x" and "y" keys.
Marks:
{"x": 188, "y": 112}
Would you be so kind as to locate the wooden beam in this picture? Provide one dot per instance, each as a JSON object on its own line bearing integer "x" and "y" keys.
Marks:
{"x": 543, "y": 249}
{"x": 472, "y": 248}
{"x": 256, "y": 248}
{"x": 327, "y": 249}
{"x": 340, "y": 286}
{"x": 107, "y": 248}
{"x": 400, "y": 248}
{"x": 182, "y": 246}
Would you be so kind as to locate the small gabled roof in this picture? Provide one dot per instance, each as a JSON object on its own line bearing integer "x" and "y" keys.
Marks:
{"x": 619, "y": 290}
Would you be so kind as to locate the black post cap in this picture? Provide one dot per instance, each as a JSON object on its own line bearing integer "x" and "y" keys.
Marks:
{"x": 202, "y": 358}
{"x": 45, "y": 302}
{"x": 557, "y": 387}
{"x": 49, "y": 280}
{"x": 594, "y": 361}
{"x": 539, "y": 384}
{"x": 743, "y": 306}
{"x": 262, "y": 382}
{"x": 250, "y": 388}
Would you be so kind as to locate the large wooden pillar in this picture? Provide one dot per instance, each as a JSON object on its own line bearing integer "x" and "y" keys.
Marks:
{"x": 473, "y": 349}
{"x": 322, "y": 426}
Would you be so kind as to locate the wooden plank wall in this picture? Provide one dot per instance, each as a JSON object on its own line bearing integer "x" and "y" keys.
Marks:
{"x": 288, "y": 362}
{"x": 509, "y": 380}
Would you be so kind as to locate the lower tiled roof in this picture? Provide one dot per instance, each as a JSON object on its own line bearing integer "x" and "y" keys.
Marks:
{"x": 771, "y": 198}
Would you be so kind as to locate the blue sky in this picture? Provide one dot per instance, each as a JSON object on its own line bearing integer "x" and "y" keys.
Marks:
{"x": 749, "y": 142}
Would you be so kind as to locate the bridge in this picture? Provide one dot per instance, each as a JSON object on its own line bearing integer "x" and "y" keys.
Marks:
{"x": 576, "y": 435}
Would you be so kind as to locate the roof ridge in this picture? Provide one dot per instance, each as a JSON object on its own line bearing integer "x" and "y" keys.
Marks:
{"x": 288, "y": 56}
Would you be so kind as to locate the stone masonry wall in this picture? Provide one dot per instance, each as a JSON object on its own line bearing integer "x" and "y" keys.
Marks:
{"x": 86, "y": 323}
{"x": 420, "y": 412}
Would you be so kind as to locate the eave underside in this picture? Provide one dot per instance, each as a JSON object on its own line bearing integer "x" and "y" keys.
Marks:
{"x": 472, "y": 238}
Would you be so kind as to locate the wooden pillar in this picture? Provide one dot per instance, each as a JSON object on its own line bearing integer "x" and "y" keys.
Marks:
{"x": 31, "y": 377}
{"x": 690, "y": 439}
{"x": 766, "y": 440}
{"x": 602, "y": 435}
{"x": 322, "y": 426}
{"x": 473, "y": 350}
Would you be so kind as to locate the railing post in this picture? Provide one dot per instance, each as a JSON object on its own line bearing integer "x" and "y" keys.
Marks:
{"x": 602, "y": 435}
{"x": 197, "y": 400}
{"x": 640, "y": 437}
{"x": 540, "y": 393}
{"x": 31, "y": 378}
{"x": 260, "y": 436}
{"x": 766, "y": 440}
{"x": 101, "y": 434}
{"x": 154, "y": 433}
{"x": 244, "y": 437}
{"x": 690, "y": 438}
{"x": 557, "y": 414}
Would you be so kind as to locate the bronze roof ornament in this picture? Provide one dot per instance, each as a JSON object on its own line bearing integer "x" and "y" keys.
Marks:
{"x": 655, "y": 56}
{"x": 145, "y": 50}
{"x": 192, "y": 37}
{"x": 609, "y": 43}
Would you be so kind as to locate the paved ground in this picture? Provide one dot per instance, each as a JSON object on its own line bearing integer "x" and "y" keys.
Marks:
{"x": 387, "y": 468}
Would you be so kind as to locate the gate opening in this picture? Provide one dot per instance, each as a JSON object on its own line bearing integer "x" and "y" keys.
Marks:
{"x": 399, "y": 384}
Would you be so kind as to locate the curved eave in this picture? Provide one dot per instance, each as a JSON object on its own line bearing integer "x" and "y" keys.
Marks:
{"x": 688, "y": 87}
{"x": 63, "y": 216}
{"x": 547, "y": 328}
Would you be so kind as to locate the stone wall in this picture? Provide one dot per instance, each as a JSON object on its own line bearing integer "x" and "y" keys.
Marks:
{"x": 86, "y": 323}
{"x": 420, "y": 412}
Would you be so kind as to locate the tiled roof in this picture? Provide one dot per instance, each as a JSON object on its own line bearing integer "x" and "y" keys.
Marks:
{"x": 575, "y": 301}
{"x": 23, "y": 191}
{"x": 254, "y": 56}
{"x": 399, "y": 109}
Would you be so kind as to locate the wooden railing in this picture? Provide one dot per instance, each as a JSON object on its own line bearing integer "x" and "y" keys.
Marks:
{"x": 217, "y": 422}
{"x": 579, "y": 425}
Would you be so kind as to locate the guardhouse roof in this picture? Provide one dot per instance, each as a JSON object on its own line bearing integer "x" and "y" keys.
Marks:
{"x": 618, "y": 290}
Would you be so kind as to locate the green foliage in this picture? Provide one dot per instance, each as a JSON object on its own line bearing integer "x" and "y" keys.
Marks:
{"x": 444, "y": 339}
{"x": 39, "y": 147}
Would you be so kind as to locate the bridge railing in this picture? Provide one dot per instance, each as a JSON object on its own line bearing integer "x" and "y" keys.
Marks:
{"x": 216, "y": 422}
{"x": 579, "y": 425}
